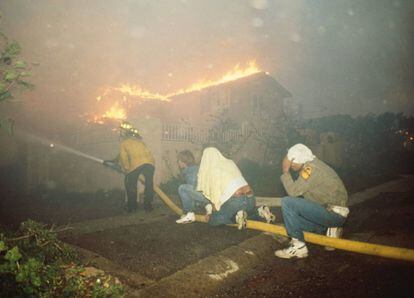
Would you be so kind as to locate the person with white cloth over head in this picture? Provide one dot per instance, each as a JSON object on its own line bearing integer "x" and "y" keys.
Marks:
{"x": 317, "y": 201}
{"x": 222, "y": 183}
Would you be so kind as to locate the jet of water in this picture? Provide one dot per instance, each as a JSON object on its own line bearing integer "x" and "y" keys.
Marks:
{"x": 51, "y": 144}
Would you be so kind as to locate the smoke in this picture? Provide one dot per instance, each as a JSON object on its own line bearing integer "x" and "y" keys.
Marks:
{"x": 334, "y": 56}
{"x": 28, "y": 137}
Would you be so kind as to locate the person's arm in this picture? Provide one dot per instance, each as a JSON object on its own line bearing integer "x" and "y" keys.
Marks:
{"x": 192, "y": 179}
{"x": 117, "y": 159}
{"x": 190, "y": 175}
{"x": 124, "y": 158}
{"x": 293, "y": 188}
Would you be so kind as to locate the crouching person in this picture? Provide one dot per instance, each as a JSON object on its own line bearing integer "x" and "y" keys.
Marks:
{"x": 323, "y": 208}
{"x": 221, "y": 182}
{"x": 190, "y": 197}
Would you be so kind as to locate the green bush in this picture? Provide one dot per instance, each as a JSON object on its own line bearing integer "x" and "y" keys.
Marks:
{"x": 13, "y": 75}
{"x": 35, "y": 263}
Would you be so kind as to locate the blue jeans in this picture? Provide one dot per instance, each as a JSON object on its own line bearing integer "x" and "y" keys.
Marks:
{"x": 191, "y": 197}
{"x": 302, "y": 215}
{"x": 227, "y": 212}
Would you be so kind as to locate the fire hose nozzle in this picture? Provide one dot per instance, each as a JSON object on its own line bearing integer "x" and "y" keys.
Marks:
{"x": 113, "y": 165}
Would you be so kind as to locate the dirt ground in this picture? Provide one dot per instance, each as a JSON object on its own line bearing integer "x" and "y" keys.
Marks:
{"x": 59, "y": 209}
{"x": 161, "y": 248}
{"x": 387, "y": 219}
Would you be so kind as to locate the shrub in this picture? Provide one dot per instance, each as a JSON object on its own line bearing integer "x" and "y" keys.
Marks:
{"x": 35, "y": 263}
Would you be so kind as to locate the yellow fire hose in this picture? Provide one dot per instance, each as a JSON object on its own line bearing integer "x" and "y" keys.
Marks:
{"x": 349, "y": 245}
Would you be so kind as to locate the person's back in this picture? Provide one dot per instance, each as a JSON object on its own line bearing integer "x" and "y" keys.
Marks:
{"x": 325, "y": 185}
{"x": 136, "y": 159}
{"x": 134, "y": 153}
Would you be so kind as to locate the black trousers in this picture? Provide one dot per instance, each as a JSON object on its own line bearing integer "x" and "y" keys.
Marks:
{"x": 130, "y": 182}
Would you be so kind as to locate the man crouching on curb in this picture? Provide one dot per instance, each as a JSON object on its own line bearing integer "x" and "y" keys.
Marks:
{"x": 323, "y": 208}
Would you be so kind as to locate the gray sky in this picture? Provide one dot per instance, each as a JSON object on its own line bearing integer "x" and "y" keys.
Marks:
{"x": 351, "y": 57}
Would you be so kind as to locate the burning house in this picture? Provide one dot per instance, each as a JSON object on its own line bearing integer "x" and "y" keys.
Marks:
{"x": 248, "y": 99}
{"x": 186, "y": 119}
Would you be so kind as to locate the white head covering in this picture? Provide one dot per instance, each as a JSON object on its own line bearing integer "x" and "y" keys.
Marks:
{"x": 301, "y": 154}
{"x": 218, "y": 177}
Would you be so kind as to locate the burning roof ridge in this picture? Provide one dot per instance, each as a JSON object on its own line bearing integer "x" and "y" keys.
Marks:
{"x": 222, "y": 83}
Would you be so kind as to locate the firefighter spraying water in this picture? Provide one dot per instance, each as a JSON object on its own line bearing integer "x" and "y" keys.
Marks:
{"x": 134, "y": 159}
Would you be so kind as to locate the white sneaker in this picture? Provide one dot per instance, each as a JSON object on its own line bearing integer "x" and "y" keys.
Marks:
{"x": 209, "y": 209}
{"x": 264, "y": 212}
{"x": 334, "y": 232}
{"x": 187, "y": 218}
{"x": 297, "y": 249}
{"x": 241, "y": 218}
{"x": 342, "y": 211}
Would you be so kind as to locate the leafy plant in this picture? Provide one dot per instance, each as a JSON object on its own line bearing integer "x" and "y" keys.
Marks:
{"x": 13, "y": 75}
{"x": 35, "y": 263}
{"x": 13, "y": 72}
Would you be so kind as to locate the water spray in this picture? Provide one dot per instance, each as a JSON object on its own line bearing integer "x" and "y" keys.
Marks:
{"x": 109, "y": 163}
{"x": 51, "y": 144}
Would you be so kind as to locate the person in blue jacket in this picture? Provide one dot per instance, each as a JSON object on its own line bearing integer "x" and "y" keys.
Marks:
{"x": 190, "y": 197}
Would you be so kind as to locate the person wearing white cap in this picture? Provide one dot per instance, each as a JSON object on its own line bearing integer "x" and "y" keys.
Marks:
{"x": 317, "y": 200}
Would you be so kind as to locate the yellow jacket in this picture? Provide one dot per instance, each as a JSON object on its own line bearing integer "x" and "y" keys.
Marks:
{"x": 134, "y": 153}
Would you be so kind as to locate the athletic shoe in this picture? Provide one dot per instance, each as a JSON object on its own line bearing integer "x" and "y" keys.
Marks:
{"x": 241, "y": 218}
{"x": 264, "y": 212}
{"x": 209, "y": 209}
{"x": 186, "y": 218}
{"x": 342, "y": 211}
{"x": 297, "y": 249}
{"x": 333, "y": 232}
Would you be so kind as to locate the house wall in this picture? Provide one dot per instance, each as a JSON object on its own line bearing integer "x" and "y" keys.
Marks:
{"x": 48, "y": 167}
{"x": 249, "y": 102}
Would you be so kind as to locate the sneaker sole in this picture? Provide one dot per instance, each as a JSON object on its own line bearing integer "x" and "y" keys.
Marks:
{"x": 267, "y": 215}
{"x": 241, "y": 225}
{"x": 184, "y": 222}
{"x": 290, "y": 257}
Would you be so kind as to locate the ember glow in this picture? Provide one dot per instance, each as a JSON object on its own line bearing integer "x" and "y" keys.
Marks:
{"x": 116, "y": 112}
{"x": 137, "y": 91}
{"x": 234, "y": 74}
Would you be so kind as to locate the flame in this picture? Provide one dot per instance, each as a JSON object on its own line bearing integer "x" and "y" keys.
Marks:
{"x": 234, "y": 74}
{"x": 136, "y": 91}
{"x": 139, "y": 92}
{"x": 116, "y": 112}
